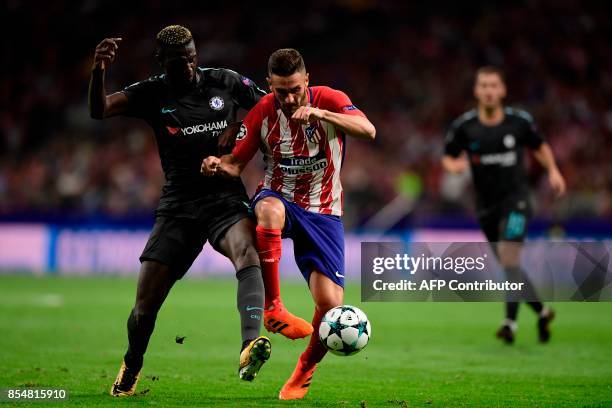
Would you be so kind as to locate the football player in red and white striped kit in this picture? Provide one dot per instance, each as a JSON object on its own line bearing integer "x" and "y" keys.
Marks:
{"x": 301, "y": 132}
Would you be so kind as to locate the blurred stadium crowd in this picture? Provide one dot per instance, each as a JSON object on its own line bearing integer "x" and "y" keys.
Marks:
{"x": 409, "y": 67}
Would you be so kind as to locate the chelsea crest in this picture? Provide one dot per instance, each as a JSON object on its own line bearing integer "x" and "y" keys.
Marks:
{"x": 216, "y": 103}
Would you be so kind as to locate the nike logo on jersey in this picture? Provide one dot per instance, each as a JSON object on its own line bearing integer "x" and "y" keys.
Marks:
{"x": 339, "y": 275}
{"x": 167, "y": 110}
{"x": 249, "y": 308}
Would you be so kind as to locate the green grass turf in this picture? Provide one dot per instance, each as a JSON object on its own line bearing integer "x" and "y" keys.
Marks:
{"x": 70, "y": 333}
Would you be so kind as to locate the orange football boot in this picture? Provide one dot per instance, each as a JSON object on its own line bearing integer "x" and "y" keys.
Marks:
{"x": 277, "y": 319}
{"x": 297, "y": 385}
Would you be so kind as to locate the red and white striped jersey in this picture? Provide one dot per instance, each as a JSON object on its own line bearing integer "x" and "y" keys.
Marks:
{"x": 302, "y": 161}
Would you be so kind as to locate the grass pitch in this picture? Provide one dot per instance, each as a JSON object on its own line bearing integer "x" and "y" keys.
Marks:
{"x": 70, "y": 333}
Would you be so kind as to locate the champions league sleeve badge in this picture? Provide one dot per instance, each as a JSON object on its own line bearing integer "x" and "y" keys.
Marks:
{"x": 246, "y": 81}
{"x": 242, "y": 133}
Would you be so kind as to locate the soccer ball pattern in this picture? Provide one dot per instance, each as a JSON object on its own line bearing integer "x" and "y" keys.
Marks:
{"x": 345, "y": 330}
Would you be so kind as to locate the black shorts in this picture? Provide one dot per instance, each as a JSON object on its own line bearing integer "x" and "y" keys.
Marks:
{"x": 506, "y": 221}
{"x": 177, "y": 240}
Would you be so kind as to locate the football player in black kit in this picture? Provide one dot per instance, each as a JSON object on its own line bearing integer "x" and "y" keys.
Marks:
{"x": 493, "y": 137}
{"x": 188, "y": 107}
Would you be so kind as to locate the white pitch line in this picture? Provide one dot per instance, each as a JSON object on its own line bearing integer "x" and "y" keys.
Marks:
{"x": 42, "y": 300}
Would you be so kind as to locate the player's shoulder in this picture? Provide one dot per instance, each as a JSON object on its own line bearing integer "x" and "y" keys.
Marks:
{"x": 152, "y": 83}
{"x": 327, "y": 92}
{"x": 222, "y": 76}
{"x": 266, "y": 105}
{"x": 329, "y": 98}
{"x": 228, "y": 79}
{"x": 518, "y": 114}
{"x": 217, "y": 74}
{"x": 324, "y": 90}
{"x": 465, "y": 118}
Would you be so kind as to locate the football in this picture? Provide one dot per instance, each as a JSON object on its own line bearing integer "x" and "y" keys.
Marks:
{"x": 345, "y": 330}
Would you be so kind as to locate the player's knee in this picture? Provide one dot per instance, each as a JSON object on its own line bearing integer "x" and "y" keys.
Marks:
{"x": 509, "y": 254}
{"x": 328, "y": 302}
{"x": 153, "y": 286}
{"x": 508, "y": 262}
{"x": 323, "y": 307}
{"x": 152, "y": 269}
{"x": 270, "y": 213}
{"x": 144, "y": 309}
{"x": 246, "y": 255}
{"x": 148, "y": 305}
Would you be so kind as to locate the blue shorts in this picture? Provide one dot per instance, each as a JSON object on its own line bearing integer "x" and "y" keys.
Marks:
{"x": 318, "y": 239}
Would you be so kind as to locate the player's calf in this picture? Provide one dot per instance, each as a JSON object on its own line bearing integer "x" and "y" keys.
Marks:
{"x": 326, "y": 295}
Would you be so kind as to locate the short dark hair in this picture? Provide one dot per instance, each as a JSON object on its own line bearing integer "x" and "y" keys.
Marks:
{"x": 285, "y": 62}
{"x": 490, "y": 69}
{"x": 173, "y": 35}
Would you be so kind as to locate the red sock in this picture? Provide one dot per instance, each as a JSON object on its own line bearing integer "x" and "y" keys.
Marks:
{"x": 315, "y": 350}
{"x": 269, "y": 248}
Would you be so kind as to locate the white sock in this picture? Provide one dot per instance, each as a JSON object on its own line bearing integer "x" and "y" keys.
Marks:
{"x": 545, "y": 312}
{"x": 511, "y": 324}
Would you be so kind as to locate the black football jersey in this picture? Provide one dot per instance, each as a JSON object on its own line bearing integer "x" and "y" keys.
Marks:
{"x": 495, "y": 153}
{"x": 187, "y": 126}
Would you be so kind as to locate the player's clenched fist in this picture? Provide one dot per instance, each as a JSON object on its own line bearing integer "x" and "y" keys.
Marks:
{"x": 105, "y": 52}
{"x": 210, "y": 166}
{"x": 307, "y": 114}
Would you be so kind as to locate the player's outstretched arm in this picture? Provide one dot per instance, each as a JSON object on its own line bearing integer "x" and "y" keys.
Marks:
{"x": 454, "y": 165}
{"x": 224, "y": 166}
{"x": 356, "y": 126}
{"x": 100, "y": 105}
{"x": 545, "y": 157}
